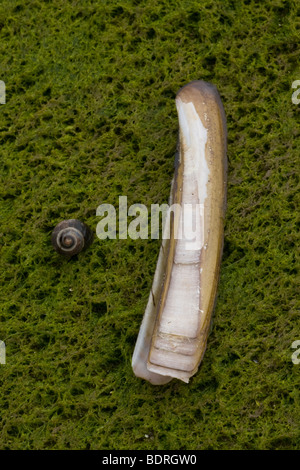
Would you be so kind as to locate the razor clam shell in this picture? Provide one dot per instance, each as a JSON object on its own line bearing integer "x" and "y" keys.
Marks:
{"x": 173, "y": 334}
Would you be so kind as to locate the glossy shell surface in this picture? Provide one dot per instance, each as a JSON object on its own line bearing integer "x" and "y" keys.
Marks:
{"x": 173, "y": 335}
{"x": 70, "y": 237}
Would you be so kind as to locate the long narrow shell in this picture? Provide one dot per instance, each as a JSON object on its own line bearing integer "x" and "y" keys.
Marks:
{"x": 173, "y": 335}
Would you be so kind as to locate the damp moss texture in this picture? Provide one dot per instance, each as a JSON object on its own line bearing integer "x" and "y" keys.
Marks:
{"x": 90, "y": 115}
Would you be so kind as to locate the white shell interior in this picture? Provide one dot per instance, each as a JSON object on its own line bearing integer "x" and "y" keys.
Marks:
{"x": 170, "y": 353}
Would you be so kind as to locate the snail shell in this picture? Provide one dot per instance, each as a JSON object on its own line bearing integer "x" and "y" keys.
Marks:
{"x": 174, "y": 331}
{"x": 70, "y": 237}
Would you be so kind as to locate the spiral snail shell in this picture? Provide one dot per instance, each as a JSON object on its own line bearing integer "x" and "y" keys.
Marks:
{"x": 70, "y": 237}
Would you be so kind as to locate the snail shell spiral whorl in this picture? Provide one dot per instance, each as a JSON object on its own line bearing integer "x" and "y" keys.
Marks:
{"x": 70, "y": 237}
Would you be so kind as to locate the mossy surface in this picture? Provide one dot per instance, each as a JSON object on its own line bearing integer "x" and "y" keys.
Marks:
{"x": 90, "y": 115}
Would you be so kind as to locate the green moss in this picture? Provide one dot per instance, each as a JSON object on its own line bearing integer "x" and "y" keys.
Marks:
{"x": 90, "y": 115}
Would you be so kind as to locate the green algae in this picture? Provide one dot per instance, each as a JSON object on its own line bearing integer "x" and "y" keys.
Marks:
{"x": 90, "y": 115}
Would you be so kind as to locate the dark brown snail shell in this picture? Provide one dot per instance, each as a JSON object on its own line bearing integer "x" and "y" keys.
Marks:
{"x": 70, "y": 237}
